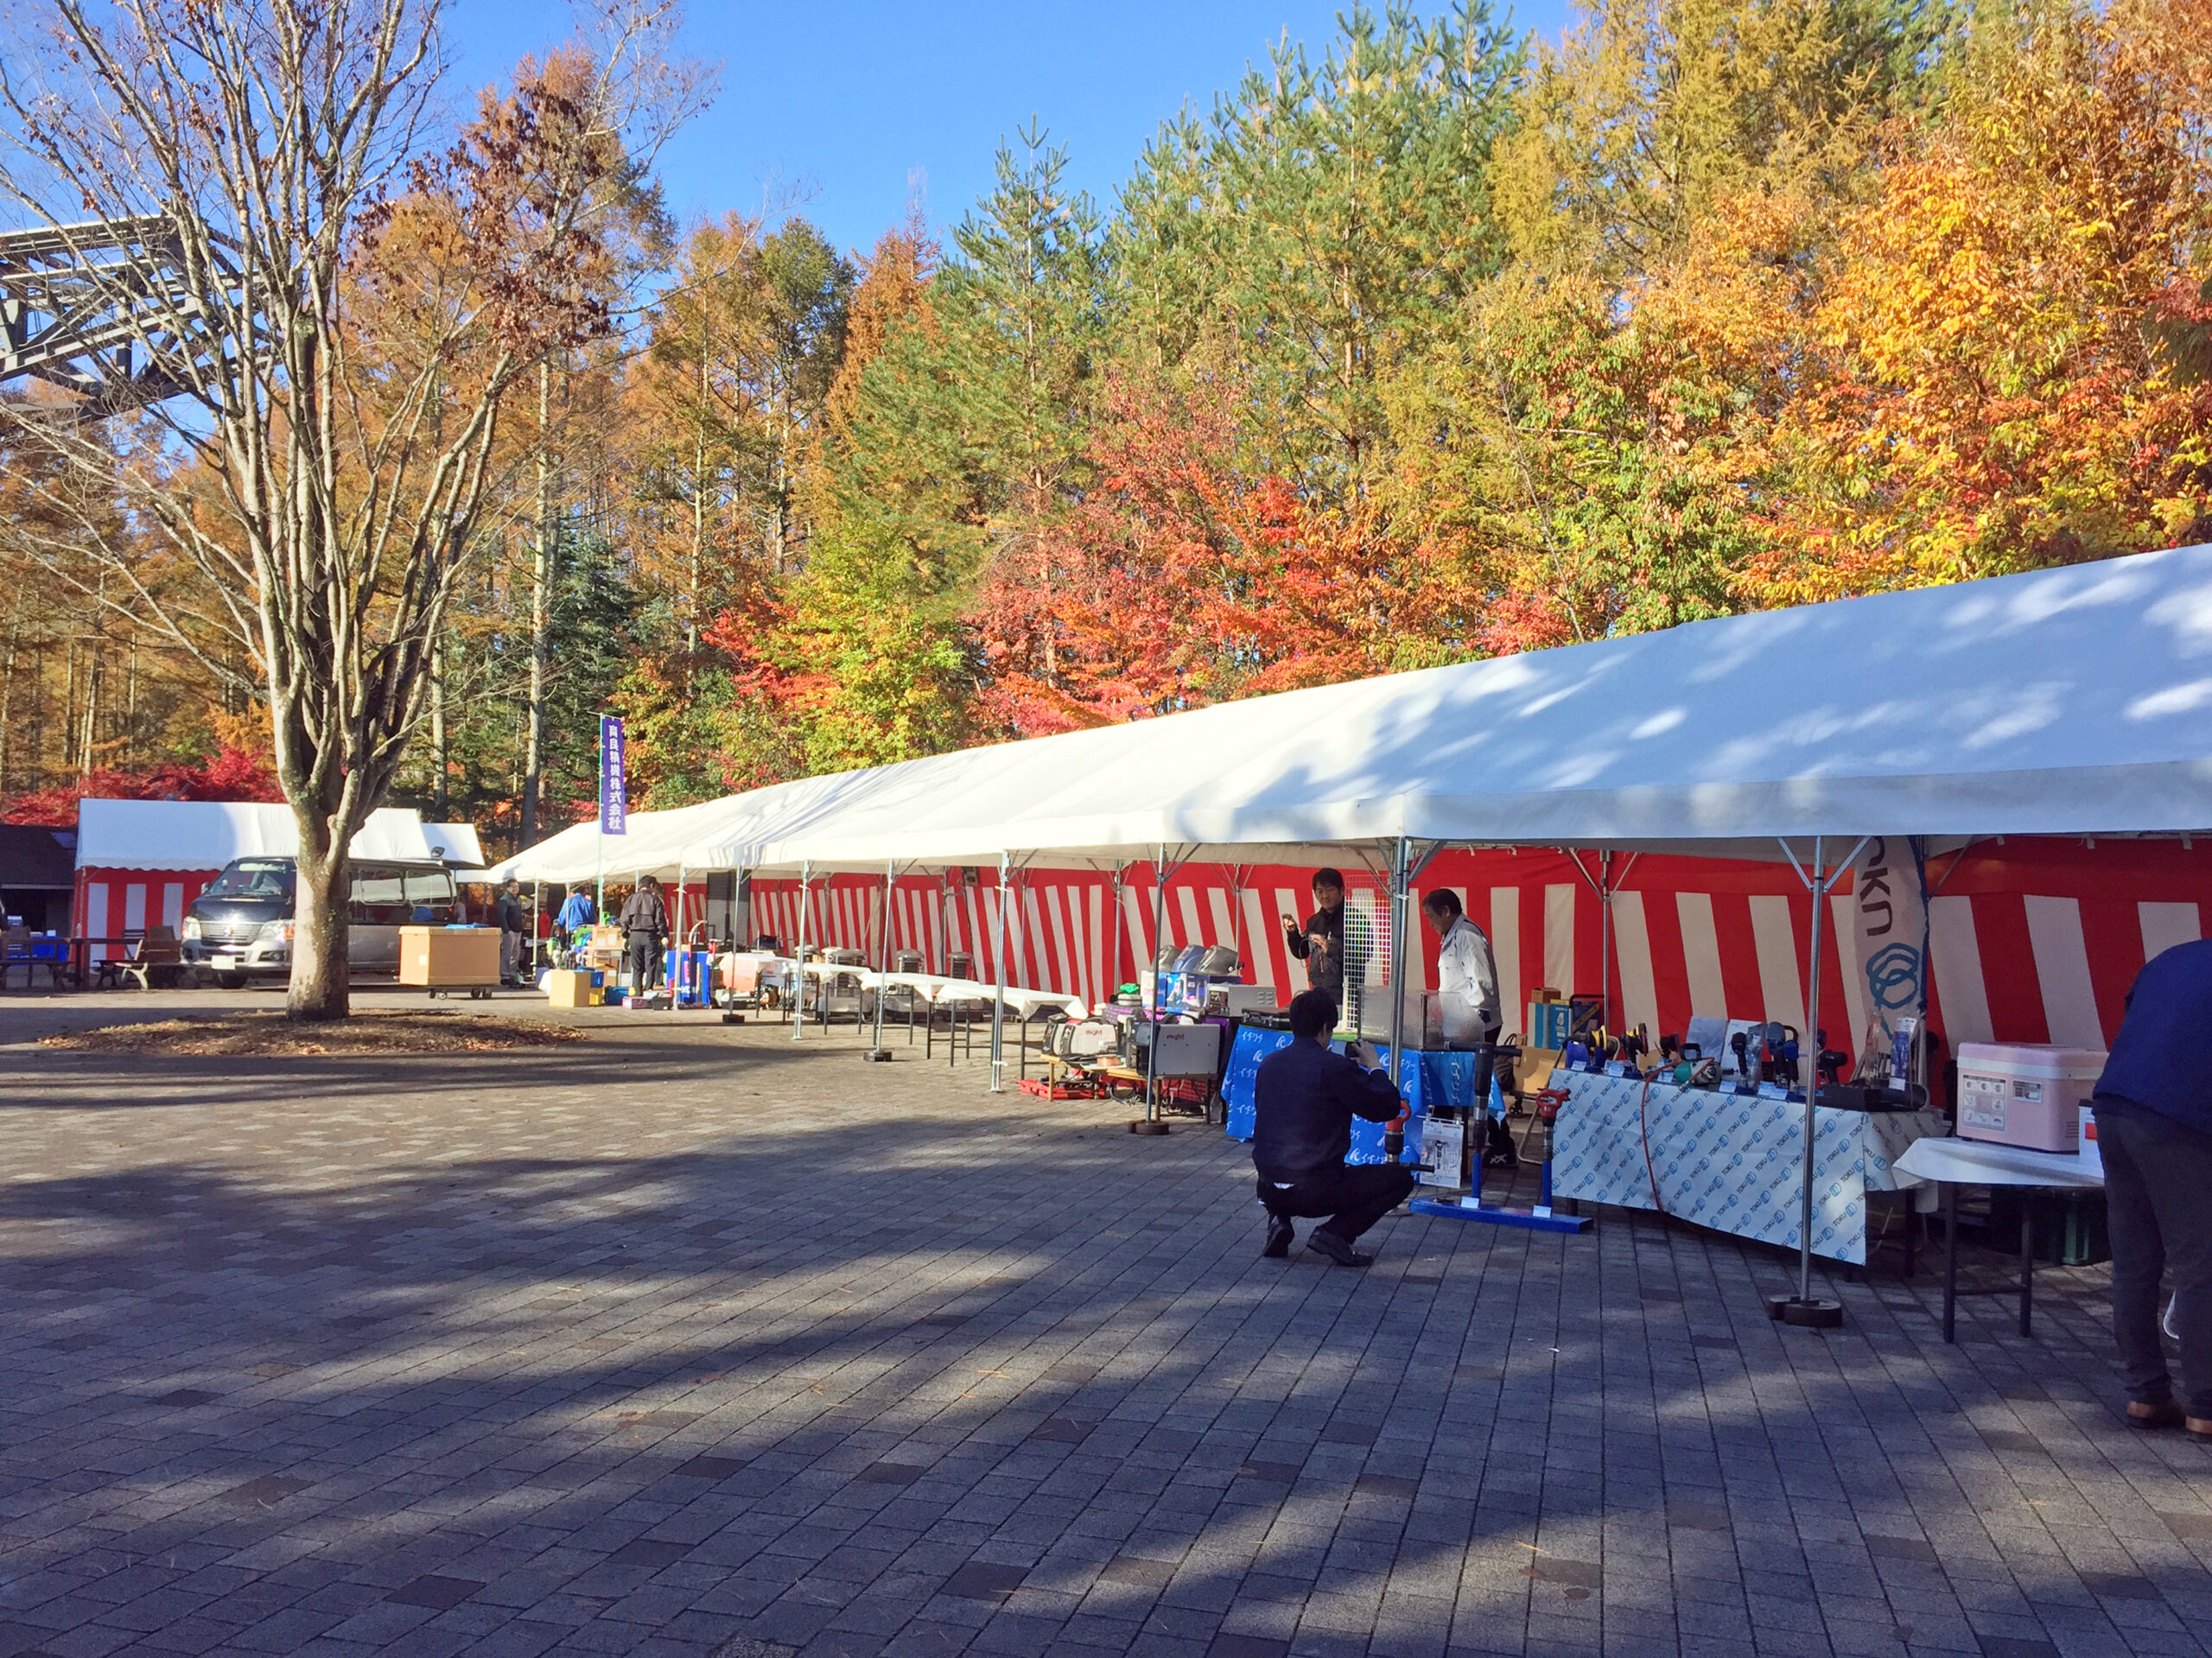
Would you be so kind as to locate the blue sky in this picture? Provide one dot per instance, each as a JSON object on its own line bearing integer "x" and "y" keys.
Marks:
{"x": 849, "y": 105}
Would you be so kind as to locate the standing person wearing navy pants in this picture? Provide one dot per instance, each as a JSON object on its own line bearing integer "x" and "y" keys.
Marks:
{"x": 2154, "y": 1132}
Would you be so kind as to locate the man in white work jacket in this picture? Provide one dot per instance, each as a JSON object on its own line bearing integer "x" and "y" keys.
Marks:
{"x": 1467, "y": 972}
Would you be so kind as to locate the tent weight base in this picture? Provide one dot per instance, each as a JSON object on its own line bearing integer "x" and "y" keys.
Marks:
{"x": 1807, "y": 1312}
{"x": 733, "y": 1019}
{"x": 1141, "y": 1126}
{"x": 877, "y": 1055}
{"x": 1531, "y": 1220}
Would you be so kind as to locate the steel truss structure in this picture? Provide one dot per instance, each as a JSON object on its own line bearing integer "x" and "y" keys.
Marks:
{"x": 101, "y": 308}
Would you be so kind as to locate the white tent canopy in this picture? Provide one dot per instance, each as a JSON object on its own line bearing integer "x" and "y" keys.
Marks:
{"x": 659, "y": 842}
{"x": 208, "y": 833}
{"x": 2060, "y": 702}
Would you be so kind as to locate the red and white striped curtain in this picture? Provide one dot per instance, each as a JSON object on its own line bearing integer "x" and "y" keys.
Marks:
{"x": 2030, "y": 940}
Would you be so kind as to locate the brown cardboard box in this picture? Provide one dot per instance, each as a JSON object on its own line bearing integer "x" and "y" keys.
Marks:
{"x": 443, "y": 955}
{"x": 565, "y": 990}
{"x": 1532, "y": 1070}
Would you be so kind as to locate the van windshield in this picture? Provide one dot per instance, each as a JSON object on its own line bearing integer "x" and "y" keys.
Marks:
{"x": 254, "y": 877}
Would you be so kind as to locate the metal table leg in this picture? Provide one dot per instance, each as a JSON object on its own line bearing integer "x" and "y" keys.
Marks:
{"x": 1950, "y": 1261}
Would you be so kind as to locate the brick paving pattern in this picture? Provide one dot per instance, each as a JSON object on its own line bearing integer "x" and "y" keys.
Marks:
{"x": 688, "y": 1341}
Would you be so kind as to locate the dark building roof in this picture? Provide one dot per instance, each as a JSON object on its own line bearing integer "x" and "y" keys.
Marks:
{"x": 32, "y": 857}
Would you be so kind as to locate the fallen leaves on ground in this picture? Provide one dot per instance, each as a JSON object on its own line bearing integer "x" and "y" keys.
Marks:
{"x": 272, "y": 1034}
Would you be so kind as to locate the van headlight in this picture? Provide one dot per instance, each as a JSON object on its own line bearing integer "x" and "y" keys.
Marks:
{"x": 191, "y": 927}
{"x": 281, "y": 932}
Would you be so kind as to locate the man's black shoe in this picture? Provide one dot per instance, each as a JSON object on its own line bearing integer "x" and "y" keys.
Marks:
{"x": 1279, "y": 1236}
{"x": 1328, "y": 1243}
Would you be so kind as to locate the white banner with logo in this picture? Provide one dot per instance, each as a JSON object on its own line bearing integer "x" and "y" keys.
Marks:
{"x": 1889, "y": 924}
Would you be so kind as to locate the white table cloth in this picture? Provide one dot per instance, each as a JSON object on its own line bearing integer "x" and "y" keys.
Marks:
{"x": 1732, "y": 1163}
{"x": 1978, "y": 1163}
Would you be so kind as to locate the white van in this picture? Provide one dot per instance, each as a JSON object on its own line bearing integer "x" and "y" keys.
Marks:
{"x": 241, "y": 927}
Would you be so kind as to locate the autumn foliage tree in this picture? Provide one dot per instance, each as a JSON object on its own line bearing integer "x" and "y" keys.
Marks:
{"x": 2006, "y": 363}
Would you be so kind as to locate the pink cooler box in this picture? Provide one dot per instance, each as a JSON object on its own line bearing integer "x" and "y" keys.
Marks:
{"x": 2025, "y": 1094}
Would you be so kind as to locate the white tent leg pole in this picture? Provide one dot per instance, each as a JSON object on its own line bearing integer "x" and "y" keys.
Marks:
{"x": 1159, "y": 942}
{"x": 998, "y": 1003}
{"x": 1605, "y": 941}
{"x": 1804, "y": 1308}
{"x": 799, "y": 959}
{"x": 1399, "y": 858}
{"x": 1116, "y": 925}
{"x": 1812, "y": 1044}
{"x": 683, "y": 949}
{"x": 883, "y": 962}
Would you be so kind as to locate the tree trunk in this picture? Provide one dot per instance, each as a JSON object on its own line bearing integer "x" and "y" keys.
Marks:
{"x": 321, "y": 940}
{"x": 440, "y": 757}
{"x": 541, "y": 588}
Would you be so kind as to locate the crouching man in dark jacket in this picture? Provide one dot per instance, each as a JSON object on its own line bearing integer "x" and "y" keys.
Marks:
{"x": 1304, "y": 1101}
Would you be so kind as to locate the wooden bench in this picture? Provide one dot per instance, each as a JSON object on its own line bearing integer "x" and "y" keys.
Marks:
{"x": 158, "y": 954}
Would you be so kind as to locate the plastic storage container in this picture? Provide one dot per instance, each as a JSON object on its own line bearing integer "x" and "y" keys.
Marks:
{"x": 2025, "y": 1094}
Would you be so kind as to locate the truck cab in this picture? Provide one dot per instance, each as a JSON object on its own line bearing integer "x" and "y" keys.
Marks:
{"x": 241, "y": 928}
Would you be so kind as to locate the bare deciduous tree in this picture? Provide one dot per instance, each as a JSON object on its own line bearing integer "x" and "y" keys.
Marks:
{"x": 352, "y": 291}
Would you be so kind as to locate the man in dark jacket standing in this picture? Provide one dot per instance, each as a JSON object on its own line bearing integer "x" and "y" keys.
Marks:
{"x": 644, "y": 922}
{"x": 514, "y": 927}
{"x": 2154, "y": 1132}
{"x": 1304, "y": 1101}
{"x": 1320, "y": 943}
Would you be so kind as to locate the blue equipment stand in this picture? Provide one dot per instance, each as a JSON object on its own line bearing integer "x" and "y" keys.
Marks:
{"x": 688, "y": 972}
{"x": 1538, "y": 1219}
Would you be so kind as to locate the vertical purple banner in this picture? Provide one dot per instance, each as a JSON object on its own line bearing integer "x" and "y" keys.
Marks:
{"x": 613, "y": 785}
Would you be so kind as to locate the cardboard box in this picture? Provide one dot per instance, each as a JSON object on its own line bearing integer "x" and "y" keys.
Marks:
{"x": 2026, "y": 1094}
{"x": 449, "y": 955}
{"x": 569, "y": 990}
{"x": 1531, "y": 1071}
{"x": 1548, "y": 1017}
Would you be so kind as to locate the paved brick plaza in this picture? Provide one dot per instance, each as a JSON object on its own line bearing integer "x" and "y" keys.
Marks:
{"x": 686, "y": 1341}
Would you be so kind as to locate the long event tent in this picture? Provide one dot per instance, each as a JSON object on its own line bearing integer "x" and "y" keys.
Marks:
{"x": 2062, "y": 702}
{"x": 2069, "y": 700}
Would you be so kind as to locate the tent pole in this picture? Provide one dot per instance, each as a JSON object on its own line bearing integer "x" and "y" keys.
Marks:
{"x": 1804, "y": 1308}
{"x": 998, "y": 1003}
{"x": 1159, "y": 938}
{"x": 1400, "y": 856}
{"x": 683, "y": 946}
{"x": 1114, "y": 925}
{"x": 883, "y": 963}
{"x": 1810, "y": 1043}
{"x": 1605, "y": 939}
{"x": 799, "y": 960}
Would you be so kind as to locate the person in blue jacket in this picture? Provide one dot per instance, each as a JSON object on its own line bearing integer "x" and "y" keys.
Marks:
{"x": 2154, "y": 1130}
{"x": 1303, "y": 1101}
{"x": 577, "y": 911}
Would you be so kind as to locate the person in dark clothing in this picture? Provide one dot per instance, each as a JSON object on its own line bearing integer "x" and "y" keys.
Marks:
{"x": 1304, "y": 1101}
{"x": 1320, "y": 943}
{"x": 514, "y": 927}
{"x": 644, "y": 922}
{"x": 2154, "y": 1132}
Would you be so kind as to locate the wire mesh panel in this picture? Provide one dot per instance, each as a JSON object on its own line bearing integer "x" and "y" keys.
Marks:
{"x": 1367, "y": 956}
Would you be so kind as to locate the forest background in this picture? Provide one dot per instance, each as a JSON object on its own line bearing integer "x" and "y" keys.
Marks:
{"x": 1430, "y": 342}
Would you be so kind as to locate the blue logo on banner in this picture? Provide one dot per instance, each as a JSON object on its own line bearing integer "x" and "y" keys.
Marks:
{"x": 613, "y": 784}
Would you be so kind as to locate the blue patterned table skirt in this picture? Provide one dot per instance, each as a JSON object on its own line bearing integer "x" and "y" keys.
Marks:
{"x": 1446, "y": 1077}
{"x": 1735, "y": 1165}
